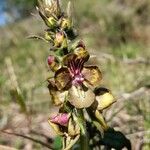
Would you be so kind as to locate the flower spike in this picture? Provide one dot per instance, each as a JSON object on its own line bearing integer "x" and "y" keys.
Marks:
{"x": 74, "y": 87}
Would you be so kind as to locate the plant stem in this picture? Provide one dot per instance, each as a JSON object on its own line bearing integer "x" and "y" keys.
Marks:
{"x": 84, "y": 142}
{"x": 84, "y": 145}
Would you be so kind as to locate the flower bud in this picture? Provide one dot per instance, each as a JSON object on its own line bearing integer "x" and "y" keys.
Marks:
{"x": 50, "y": 7}
{"x": 65, "y": 24}
{"x": 51, "y": 22}
{"x": 53, "y": 63}
{"x": 50, "y": 59}
{"x": 49, "y": 36}
{"x": 60, "y": 119}
{"x": 59, "y": 39}
{"x": 81, "y": 52}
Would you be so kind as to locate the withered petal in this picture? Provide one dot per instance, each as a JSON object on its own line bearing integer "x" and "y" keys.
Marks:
{"x": 62, "y": 78}
{"x": 69, "y": 142}
{"x": 92, "y": 75}
{"x": 53, "y": 91}
{"x": 73, "y": 128}
{"x": 57, "y": 97}
{"x": 55, "y": 127}
{"x": 81, "y": 97}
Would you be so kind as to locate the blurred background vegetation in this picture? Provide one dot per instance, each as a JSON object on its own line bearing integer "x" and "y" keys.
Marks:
{"x": 115, "y": 31}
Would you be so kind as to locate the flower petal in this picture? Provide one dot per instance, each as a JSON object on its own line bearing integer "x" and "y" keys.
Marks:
{"x": 81, "y": 97}
{"x": 62, "y": 78}
{"x": 103, "y": 98}
{"x": 92, "y": 75}
{"x": 81, "y": 53}
{"x": 68, "y": 58}
{"x": 57, "y": 97}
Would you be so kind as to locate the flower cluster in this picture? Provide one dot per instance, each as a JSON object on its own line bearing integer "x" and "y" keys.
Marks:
{"x": 74, "y": 87}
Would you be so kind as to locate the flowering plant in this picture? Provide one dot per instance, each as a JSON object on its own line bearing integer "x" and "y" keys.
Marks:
{"x": 74, "y": 87}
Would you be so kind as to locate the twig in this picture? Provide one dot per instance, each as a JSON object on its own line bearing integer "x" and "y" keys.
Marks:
{"x": 127, "y": 96}
{"x": 110, "y": 57}
{"x": 139, "y": 133}
{"x": 133, "y": 94}
{"x": 29, "y": 138}
{"x": 141, "y": 138}
{"x": 139, "y": 145}
{"x": 41, "y": 134}
{"x": 137, "y": 61}
{"x": 37, "y": 38}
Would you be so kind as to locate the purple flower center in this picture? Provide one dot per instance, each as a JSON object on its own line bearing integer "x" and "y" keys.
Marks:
{"x": 75, "y": 68}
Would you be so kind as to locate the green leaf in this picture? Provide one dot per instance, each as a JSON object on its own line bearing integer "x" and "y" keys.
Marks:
{"x": 57, "y": 145}
{"x": 115, "y": 139}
